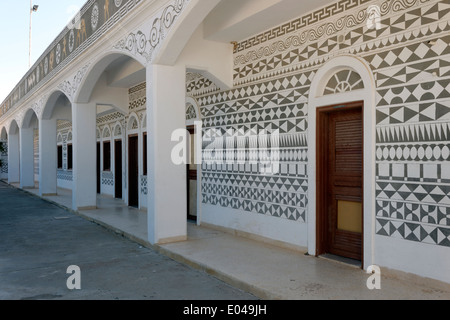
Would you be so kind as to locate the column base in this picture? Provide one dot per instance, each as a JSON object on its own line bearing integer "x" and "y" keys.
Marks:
{"x": 87, "y": 208}
{"x": 172, "y": 240}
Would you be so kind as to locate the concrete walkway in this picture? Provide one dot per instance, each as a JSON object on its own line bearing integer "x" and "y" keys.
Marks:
{"x": 268, "y": 271}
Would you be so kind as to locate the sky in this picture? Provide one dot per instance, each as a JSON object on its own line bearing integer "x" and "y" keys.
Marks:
{"x": 50, "y": 19}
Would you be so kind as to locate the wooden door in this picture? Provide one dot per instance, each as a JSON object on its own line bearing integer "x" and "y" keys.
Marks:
{"x": 118, "y": 169}
{"x": 341, "y": 181}
{"x": 133, "y": 171}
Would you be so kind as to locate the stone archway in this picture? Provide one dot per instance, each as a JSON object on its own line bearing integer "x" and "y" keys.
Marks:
{"x": 58, "y": 107}
{"x": 29, "y": 149}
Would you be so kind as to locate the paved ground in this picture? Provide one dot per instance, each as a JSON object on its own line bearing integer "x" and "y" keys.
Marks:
{"x": 39, "y": 241}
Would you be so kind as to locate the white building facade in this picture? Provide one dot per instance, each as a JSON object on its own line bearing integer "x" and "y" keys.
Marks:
{"x": 323, "y": 125}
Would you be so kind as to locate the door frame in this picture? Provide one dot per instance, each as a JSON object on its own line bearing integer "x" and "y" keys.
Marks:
{"x": 322, "y": 183}
{"x": 316, "y": 99}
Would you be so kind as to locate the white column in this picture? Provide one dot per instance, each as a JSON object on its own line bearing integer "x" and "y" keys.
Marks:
{"x": 167, "y": 215}
{"x": 84, "y": 191}
{"x": 48, "y": 157}
{"x": 13, "y": 158}
{"x": 26, "y": 158}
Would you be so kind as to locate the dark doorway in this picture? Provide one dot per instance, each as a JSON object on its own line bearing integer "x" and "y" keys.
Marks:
{"x": 340, "y": 180}
{"x": 118, "y": 169}
{"x": 133, "y": 171}
{"x": 98, "y": 169}
{"x": 191, "y": 177}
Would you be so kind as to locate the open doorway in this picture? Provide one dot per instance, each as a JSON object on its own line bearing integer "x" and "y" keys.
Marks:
{"x": 133, "y": 171}
{"x": 118, "y": 169}
{"x": 192, "y": 176}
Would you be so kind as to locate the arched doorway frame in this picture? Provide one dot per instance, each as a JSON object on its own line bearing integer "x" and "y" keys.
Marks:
{"x": 317, "y": 99}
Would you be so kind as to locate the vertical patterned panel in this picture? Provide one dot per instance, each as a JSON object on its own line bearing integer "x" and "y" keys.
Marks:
{"x": 36, "y": 153}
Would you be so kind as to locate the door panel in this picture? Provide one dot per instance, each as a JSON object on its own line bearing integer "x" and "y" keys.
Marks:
{"x": 345, "y": 164}
{"x": 340, "y": 180}
{"x": 133, "y": 172}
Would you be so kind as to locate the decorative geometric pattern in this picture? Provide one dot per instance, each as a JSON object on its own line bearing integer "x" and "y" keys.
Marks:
{"x": 63, "y": 125}
{"x": 295, "y": 87}
{"x": 425, "y": 152}
{"x": 264, "y": 208}
{"x": 197, "y": 84}
{"x": 395, "y": 31}
{"x": 36, "y": 151}
{"x": 415, "y": 52}
{"x": 95, "y": 16}
{"x": 430, "y": 172}
{"x": 414, "y": 113}
{"x": 414, "y": 212}
{"x": 64, "y": 175}
{"x": 190, "y": 112}
{"x": 276, "y": 197}
{"x": 435, "y": 132}
{"x": 134, "y": 124}
{"x": 107, "y": 178}
{"x": 344, "y": 81}
{"x": 4, "y": 158}
{"x": 235, "y": 122}
{"x": 5, "y": 149}
{"x": 118, "y": 131}
{"x": 138, "y": 97}
{"x": 413, "y": 232}
{"x": 106, "y": 133}
{"x": 414, "y": 192}
{"x": 4, "y": 168}
{"x": 287, "y": 119}
{"x": 420, "y": 92}
{"x": 112, "y": 117}
{"x": 144, "y": 44}
{"x": 144, "y": 188}
{"x": 300, "y": 23}
{"x": 286, "y": 60}
{"x": 70, "y": 87}
{"x": 406, "y": 74}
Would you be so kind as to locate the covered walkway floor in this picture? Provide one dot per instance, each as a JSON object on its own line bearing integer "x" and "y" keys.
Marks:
{"x": 268, "y": 271}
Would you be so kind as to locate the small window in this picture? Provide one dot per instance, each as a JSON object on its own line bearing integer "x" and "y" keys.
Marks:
{"x": 60, "y": 157}
{"x": 107, "y": 156}
{"x": 69, "y": 157}
{"x": 145, "y": 153}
